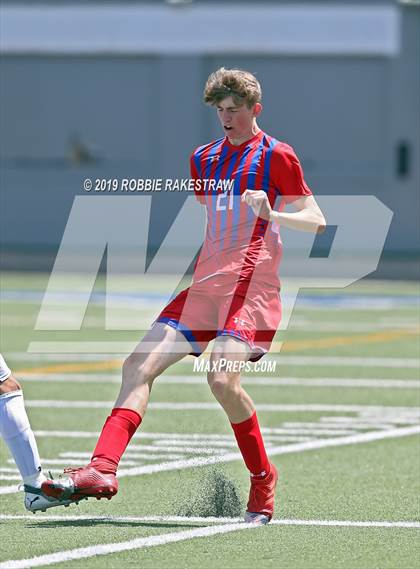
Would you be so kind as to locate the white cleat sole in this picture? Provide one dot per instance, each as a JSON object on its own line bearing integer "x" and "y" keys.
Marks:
{"x": 38, "y": 503}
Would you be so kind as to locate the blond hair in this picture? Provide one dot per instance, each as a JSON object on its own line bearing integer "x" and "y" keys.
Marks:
{"x": 241, "y": 85}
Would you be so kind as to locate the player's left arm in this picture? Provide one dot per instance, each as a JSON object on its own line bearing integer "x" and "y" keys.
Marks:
{"x": 307, "y": 217}
{"x": 286, "y": 173}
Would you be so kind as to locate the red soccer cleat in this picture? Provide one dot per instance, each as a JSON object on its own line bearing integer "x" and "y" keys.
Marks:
{"x": 260, "y": 507}
{"x": 80, "y": 483}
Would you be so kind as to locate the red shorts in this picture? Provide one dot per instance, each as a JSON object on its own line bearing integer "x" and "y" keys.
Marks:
{"x": 201, "y": 317}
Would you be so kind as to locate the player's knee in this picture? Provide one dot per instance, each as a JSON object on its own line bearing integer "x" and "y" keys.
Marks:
{"x": 223, "y": 385}
{"x": 138, "y": 370}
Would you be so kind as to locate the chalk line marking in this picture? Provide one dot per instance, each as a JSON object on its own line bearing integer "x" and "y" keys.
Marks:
{"x": 269, "y": 434}
{"x": 390, "y": 419}
{"x": 346, "y": 361}
{"x": 342, "y": 427}
{"x": 117, "y": 347}
{"x": 199, "y": 379}
{"x": 297, "y": 323}
{"x": 207, "y": 406}
{"x": 274, "y": 451}
{"x": 210, "y": 520}
{"x": 385, "y": 362}
{"x": 219, "y": 526}
{"x": 10, "y": 477}
{"x": 139, "y": 543}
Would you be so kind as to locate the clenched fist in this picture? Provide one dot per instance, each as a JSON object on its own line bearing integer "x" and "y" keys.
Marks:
{"x": 258, "y": 200}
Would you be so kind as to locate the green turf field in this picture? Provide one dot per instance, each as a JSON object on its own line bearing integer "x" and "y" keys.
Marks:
{"x": 340, "y": 415}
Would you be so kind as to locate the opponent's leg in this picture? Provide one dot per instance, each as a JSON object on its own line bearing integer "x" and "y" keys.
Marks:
{"x": 20, "y": 439}
{"x": 161, "y": 347}
{"x": 17, "y": 433}
{"x": 226, "y": 387}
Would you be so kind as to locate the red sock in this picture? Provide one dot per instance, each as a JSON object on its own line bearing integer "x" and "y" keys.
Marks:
{"x": 119, "y": 427}
{"x": 251, "y": 445}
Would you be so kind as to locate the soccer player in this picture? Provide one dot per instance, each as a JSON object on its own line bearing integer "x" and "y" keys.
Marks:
{"x": 234, "y": 295}
{"x": 19, "y": 437}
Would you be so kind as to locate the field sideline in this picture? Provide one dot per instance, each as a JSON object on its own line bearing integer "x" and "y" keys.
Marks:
{"x": 341, "y": 421}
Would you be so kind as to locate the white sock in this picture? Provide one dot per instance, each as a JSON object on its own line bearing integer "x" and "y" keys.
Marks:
{"x": 19, "y": 437}
{"x": 35, "y": 480}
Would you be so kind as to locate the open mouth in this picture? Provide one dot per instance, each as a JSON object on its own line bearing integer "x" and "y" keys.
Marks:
{"x": 228, "y": 128}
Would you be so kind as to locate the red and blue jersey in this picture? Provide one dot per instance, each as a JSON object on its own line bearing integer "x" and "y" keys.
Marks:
{"x": 238, "y": 245}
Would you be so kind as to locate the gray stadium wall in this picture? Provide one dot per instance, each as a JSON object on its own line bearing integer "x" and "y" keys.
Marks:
{"x": 68, "y": 114}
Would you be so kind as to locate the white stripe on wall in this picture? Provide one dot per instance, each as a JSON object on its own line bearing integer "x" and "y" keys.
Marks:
{"x": 200, "y": 29}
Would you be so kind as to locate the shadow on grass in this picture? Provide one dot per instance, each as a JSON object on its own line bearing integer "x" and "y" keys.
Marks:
{"x": 48, "y": 524}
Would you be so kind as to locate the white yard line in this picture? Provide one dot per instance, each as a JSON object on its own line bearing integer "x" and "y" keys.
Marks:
{"x": 217, "y": 526}
{"x": 297, "y": 323}
{"x": 10, "y": 477}
{"x": 340, "y": 427}
{"x": 314, "y": 325}
{"x": 129, "y": 453}
{"x": 68, "y": 462}
{"x": 155, "y": 540}
{"x": 274, "y": 451}
{"x": 333, "y": 382}
{"x": 209, "y": 520}
{"x": 61, "y": 357}
{"x": 382, "y": 362}
{"x": 184, "y": 449}
{"x": 9, "y": 489}
{"x": 139, "y": 543}
{"x": 199, "y": 379}
{"x": 112, "y": 348}
{"x": 322, "y": 430}
{"x": 175, "y": 441}
{"x": 369, "y": 419}
{"x": 269, "y": 434}
{"x": 350, "y": 361}
{"x": 87, "y": 377}
{"x": 207, "y": 406}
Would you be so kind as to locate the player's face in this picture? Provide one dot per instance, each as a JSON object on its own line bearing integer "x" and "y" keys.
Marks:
{"x": 238, "y": 122}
